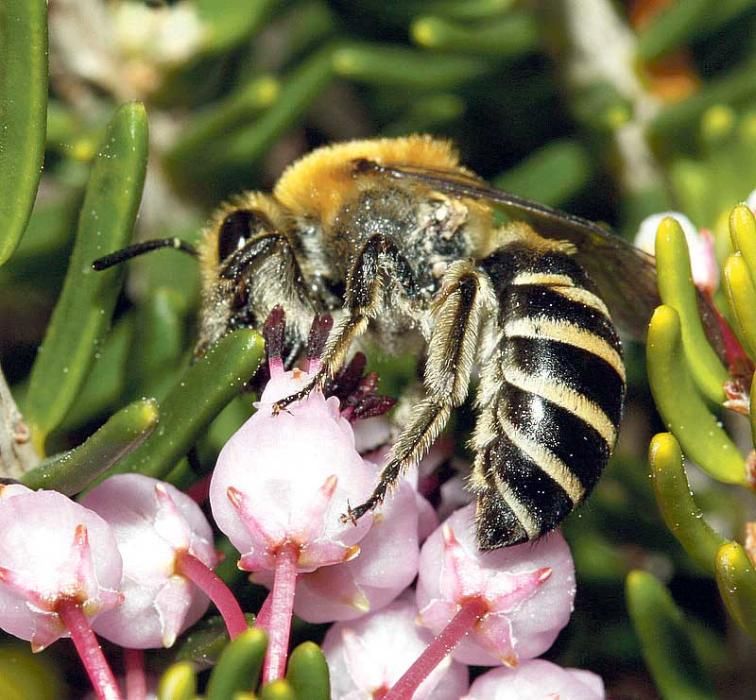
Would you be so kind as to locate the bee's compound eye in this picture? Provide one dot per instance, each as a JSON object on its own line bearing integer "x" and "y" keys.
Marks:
{"x": 234, "y": 232}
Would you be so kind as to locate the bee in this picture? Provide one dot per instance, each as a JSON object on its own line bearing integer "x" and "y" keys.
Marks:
{"x": 401, "y": 243}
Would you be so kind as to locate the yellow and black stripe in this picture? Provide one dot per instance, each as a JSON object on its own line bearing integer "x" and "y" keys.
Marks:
{"x": 552, "y": 425}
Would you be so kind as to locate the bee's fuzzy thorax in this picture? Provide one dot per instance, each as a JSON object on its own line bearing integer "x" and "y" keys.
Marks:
{"x": 317, "y": 184}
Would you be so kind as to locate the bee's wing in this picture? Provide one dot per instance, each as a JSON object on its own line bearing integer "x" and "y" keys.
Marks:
{"x": 624, "y": 275}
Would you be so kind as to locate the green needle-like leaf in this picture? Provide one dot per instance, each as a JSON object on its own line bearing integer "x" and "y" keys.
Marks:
{"x": 665, "y": 640}
{"x": 24, "y": 674}
{"x": 426, "y": 114}
{"x": 681, "y": 23}
{"x": 398, "y": 66}
{"x": 205, "y": 388}
{"x": 307, "y": 672}
{"x": 238, "y": 668}
{"x": 23, "y": 105}
{"x": 207, "y": 129}
{"x": 229, "y": 21}
{"x": 243, "y": 147}
{"x": 736, "y": 580}
{"x": 403, "y": 12}
{"x": 82, "y": 314}
{"x": 72, "y": 471}
{"x": 736, "y": 85}
{"x": 602, "y": 107}
{"x": 179, "y": 682}
{"x": 743, "y": 234}
{"x": 683, "y": 409}
{"x": 681, "y": 514}
{"x": 279, "y": 690}
{"x": 672, "y": 28}
{"x": 510, "y": 36}
{"x": 741, "y": 293}
{"x": 677, "y": 290}
{"x": 104, "y": 387}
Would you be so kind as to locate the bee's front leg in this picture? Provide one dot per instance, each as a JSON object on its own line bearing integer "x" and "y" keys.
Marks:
{"x": 378, "y": 260}
{"x": 458, "y": 316}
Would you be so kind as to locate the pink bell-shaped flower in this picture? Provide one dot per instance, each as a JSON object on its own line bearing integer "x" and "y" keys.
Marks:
{"x": 53, "y": 550}
{"x": 524, "y": 594}
{"x": 280, "y": 487}
{"x": 537, "y": 679}
{"x": 59, "y": 569}
{"x": 284, "y": 481}
{"x": 155, "y": 525}
{"x": 367, "y": 656}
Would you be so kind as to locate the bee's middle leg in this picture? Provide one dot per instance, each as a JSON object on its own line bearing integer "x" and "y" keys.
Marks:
{"x": 452, "y": 349}
{"x": 379, "y": 262}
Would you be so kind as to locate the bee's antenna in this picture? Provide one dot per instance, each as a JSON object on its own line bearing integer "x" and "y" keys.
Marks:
{"x": 132, "y": 251}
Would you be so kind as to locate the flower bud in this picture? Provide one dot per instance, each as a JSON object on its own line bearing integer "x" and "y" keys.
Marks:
{"x": 53, "y": 550}
{"x": 367, "y": 656}
{"x": 154, "y": 524}
{"x": 527, "y": 591}
{"x": 284, "y": 481}
{"x": 535, "y": 680}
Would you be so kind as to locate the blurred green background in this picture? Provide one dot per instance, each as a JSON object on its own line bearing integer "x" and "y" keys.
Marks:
{"x": 611, "y": 110}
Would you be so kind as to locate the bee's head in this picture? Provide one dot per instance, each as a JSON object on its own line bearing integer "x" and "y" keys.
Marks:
{"x": 240, "y": 256}
{"x": 246, "y": 265}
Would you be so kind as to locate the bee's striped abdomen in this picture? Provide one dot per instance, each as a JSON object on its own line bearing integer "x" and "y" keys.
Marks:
{"x": 545, "y": 437}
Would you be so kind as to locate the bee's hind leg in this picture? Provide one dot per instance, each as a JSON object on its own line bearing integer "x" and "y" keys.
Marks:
{"x": 458, "y": 312}
{"x": 379, "y": 261}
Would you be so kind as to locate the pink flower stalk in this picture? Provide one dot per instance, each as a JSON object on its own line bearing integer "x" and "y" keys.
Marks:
{"x": 703, "y": 262}
{"x": 59, "y": 569}
{"x": 524, "y": 593}
{"x": 536, "y": 680}
{"x": 367, "y": 656}
{"x": 135, "y": 678}
{"x": 167, "y": 546}
{"x": 279, "y": 488}
{"x": 281, "y": 611}
{"x": 386, "y": 565}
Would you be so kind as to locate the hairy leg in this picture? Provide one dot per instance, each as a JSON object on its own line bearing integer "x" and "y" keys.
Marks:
{"x": 460, "y": 309}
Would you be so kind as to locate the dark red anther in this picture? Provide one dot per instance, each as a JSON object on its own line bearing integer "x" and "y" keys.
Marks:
{"x": 319, "y": 331}
{"x": 347, "y": 381}
{"x": 273, "y": 331}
